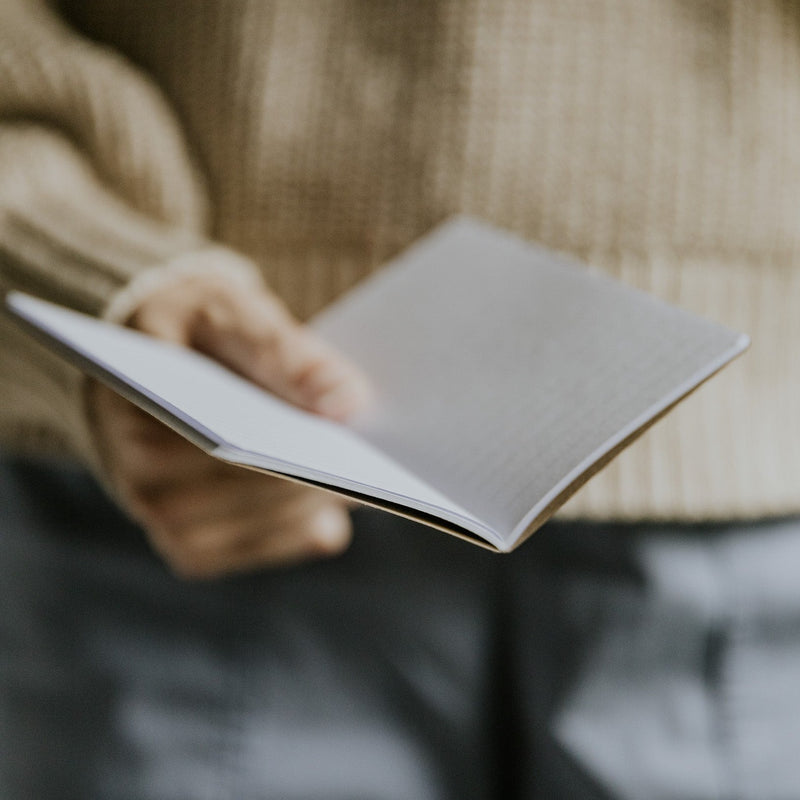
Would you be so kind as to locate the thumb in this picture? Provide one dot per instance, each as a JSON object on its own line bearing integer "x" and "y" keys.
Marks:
{"x": 257, "y": 337}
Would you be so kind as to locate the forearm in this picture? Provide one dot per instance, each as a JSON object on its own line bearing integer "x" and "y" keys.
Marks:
{"x": 63, "y": 234}
{"x": 66, "y": 237}
{"x": 99, "y": 204}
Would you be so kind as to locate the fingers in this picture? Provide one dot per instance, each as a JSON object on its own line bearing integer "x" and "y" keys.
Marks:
{"x": 232, "y": 493}
{"x": 230, "y": 533}
{"x": 139, "y": 451}
{"x": 207, "y": 518}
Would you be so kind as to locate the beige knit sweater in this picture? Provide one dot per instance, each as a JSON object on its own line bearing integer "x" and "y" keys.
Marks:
{"x": 658, "y": 140}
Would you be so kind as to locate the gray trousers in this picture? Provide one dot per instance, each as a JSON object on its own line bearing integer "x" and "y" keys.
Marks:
{"x": 598, "y": 661}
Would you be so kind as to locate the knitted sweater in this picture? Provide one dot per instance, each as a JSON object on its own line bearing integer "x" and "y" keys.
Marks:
{"x": 657, "y": 141}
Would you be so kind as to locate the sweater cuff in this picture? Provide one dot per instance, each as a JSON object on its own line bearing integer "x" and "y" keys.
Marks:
{"x": 212, "y": 261}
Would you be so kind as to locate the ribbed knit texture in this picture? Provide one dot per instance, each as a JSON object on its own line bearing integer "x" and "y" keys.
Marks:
{"x": 657, "y": 140}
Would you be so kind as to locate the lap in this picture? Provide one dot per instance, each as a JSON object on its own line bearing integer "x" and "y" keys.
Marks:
{"x": 366, "y": 676}
{"x": 597, "y": 661}
{"x": 666, "y": 663}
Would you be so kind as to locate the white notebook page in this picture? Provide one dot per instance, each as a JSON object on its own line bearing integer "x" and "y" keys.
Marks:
{"x": 250, "y": 425}
{"x": 504, "y": 370}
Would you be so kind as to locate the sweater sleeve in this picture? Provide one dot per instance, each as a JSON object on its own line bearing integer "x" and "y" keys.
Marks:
{"x": 99, "y": 205}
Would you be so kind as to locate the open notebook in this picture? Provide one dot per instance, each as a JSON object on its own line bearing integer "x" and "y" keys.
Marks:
{"x": 505, "y": 375}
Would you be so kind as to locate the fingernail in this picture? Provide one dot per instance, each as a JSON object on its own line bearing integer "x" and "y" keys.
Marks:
{"x": 344, "y": 400}
{"x": 331, "y": 529}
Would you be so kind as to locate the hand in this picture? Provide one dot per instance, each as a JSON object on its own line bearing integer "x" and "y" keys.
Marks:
{"x": 204, "y": 517}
